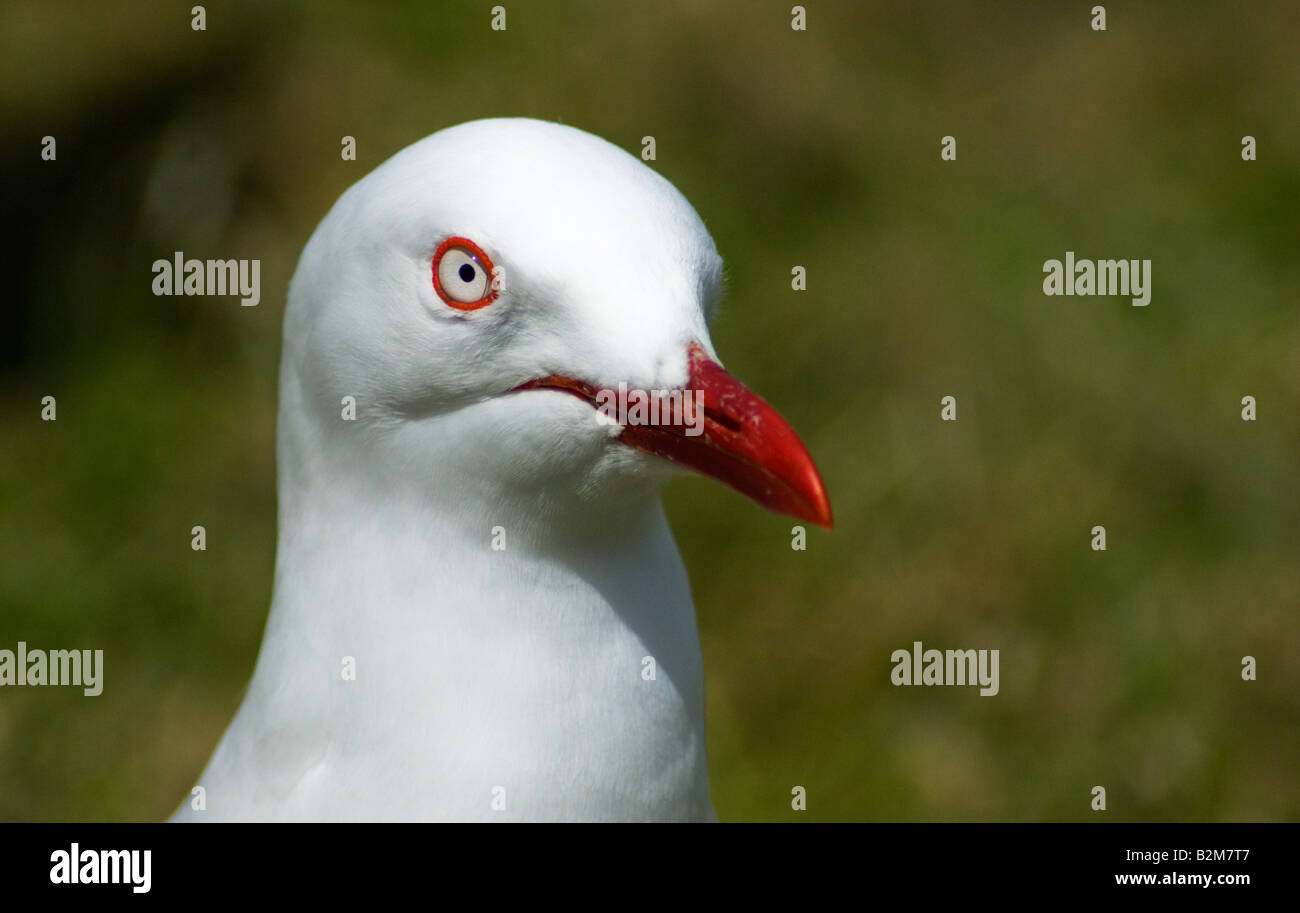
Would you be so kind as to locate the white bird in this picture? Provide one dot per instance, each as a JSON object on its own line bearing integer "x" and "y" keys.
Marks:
{"x": 479, "y": 611}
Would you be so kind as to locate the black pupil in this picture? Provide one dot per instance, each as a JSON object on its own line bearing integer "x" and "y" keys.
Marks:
{"x": 466, "y": 273}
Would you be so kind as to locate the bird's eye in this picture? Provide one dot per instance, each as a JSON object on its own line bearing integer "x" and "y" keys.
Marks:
{"x": 462, "y": 275}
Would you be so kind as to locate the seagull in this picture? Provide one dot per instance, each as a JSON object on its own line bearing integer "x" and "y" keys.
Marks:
{"x": 479, "y": 612}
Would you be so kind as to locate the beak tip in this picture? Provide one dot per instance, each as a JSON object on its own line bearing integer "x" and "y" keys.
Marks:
{"x": 820, "y": 512}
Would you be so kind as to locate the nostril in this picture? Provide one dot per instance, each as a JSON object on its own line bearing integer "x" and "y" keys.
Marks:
{"x": 726, "y": 421}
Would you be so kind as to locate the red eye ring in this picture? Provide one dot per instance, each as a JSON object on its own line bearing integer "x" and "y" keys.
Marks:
{"x": 477, "y": 254}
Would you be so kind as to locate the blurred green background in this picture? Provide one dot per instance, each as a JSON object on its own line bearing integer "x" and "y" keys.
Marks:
{"x": 818, "y": 148}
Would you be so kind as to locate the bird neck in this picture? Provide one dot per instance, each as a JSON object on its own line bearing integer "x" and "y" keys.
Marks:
{"x": 553, "y": 651}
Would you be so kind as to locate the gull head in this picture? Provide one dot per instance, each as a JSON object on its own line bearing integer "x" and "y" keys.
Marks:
{"x": 481, "y": 314}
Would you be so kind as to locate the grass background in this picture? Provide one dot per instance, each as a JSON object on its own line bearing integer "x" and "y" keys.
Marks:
{"x": 818, "y": 148}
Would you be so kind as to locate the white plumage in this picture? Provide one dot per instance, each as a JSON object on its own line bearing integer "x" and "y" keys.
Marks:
{"x": 496, "y": 684}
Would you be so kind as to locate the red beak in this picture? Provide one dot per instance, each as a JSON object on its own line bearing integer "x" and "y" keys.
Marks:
{"x": 744, "y": 443}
